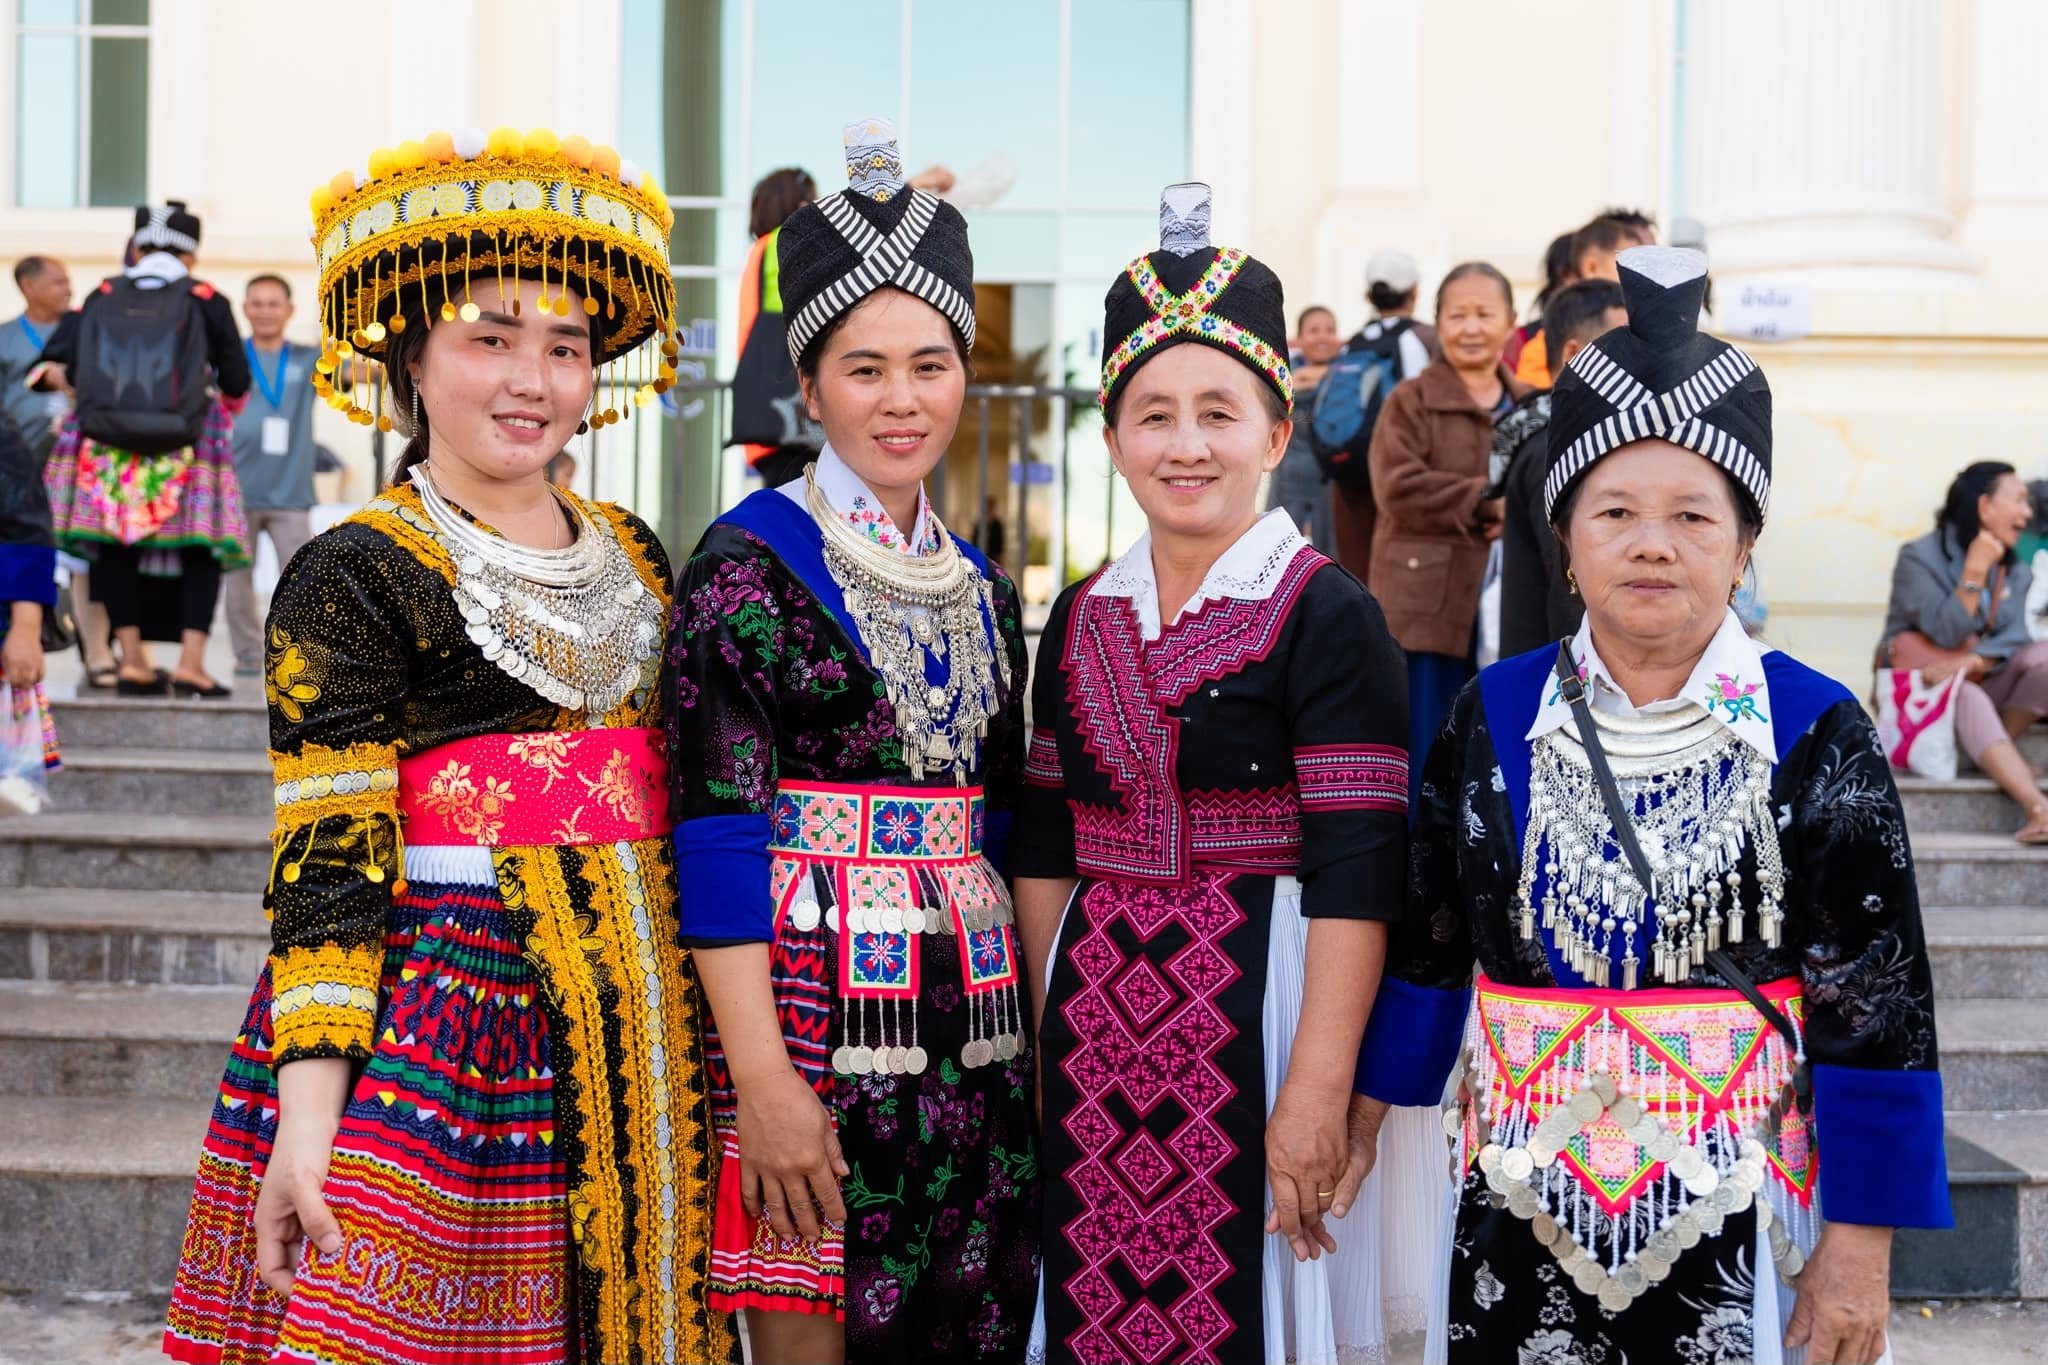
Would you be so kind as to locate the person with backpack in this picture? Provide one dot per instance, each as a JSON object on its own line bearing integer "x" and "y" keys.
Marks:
{"x": 1390, "y": 349}
{"x": 142, "y": 478}
{"x": 1297, "y": 485}
{"x": 1430, "y": 474}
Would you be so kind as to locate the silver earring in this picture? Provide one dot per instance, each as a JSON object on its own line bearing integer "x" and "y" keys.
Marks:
{"x": 415, "y": 432}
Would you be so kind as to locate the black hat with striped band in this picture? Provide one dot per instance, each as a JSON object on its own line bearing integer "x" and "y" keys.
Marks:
{"x": 1661, "y": 378}
{"x": 878, "y": 233}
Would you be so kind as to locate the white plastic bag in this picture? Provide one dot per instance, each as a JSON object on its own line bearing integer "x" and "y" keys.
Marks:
{"x": 28, "y": 750}
{"x": 1916, "y": 721}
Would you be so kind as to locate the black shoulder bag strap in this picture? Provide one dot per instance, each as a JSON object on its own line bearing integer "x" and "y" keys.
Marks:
{"x": 1624, "y": 824}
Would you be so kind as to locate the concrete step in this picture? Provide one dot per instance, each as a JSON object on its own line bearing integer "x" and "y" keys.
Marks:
{"x": 96, "y": 1040}
{"x": 178, "y": 938}
{"x": 93, "y": 1192}
{"x": 136, "y": 852}
{"x": 1998, "y": 953}
{"x": 104, "y": 721}
{"x": 1994, "y": 1053}
{"x": 234, "y": 782}
{"x": 1998, "y": 1188}
{"x": 1970, "y": 871}
{"x": 1969, "y": 804}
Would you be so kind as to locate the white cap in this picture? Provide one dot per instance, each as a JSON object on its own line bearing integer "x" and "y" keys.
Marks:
{"x": 1395, "y": 269}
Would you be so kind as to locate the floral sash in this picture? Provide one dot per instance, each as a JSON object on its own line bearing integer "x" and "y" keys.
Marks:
{"x": 549, "y": 787}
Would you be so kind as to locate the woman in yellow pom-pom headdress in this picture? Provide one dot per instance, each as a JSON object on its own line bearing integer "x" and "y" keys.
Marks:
{"x": 465, "y": 1118}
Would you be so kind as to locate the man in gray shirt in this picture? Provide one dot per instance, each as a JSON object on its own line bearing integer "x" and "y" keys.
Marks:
{"x": 46, "y": 288}
{"x": 274, "y": 454}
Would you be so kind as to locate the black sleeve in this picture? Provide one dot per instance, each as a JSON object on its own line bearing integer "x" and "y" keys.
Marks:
{"x": 1003, "y": 760}
{"x": 24, "y": 503}
{"x": 1525, "y": 569}
{"x": 1042, "y": 838}
{"x": 1347, "y": 710}
{"x": 62, "y": 347}
{"x": 1869, "y": 991}
{"x": 224, "y": 345}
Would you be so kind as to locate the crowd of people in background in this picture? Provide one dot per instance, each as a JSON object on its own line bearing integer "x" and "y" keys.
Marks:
{"x": 1430, "y": 489}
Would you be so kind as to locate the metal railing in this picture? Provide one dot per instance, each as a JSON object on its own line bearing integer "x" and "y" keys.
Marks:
{"x": 1013, "y": 440}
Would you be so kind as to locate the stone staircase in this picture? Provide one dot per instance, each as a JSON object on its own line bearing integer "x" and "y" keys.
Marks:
{"x": 131, "y": 930}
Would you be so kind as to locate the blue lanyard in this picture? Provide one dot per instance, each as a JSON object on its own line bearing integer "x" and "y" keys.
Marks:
{"x": 28, "y": 330}
{"x": 273, "y": 389}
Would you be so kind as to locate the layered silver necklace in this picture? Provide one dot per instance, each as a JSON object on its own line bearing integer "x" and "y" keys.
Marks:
{"x": 1699, "y": 795}
{"x": 911, "y": 608}
{"x": 577, "y": 625}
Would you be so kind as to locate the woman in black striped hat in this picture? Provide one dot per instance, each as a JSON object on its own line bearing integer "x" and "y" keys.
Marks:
{"x": 1679, "y": 859}
{"x": 848, "y": 682}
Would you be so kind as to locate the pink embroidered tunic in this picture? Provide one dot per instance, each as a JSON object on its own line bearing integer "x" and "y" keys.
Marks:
{"x": 1215, "y": 781}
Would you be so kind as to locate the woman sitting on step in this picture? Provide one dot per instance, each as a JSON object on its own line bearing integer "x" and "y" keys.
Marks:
{"x": 1701, "y": 1074}
{"x": 1959, "y": 601}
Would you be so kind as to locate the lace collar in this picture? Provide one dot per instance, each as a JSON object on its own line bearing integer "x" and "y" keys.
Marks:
{"x": 1728, "y": 682}
{"x": 853, "y": 499}
{"x": 1250, "y": 570}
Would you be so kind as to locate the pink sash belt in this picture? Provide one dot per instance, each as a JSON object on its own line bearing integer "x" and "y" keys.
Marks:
{"x": 550, "y": 787}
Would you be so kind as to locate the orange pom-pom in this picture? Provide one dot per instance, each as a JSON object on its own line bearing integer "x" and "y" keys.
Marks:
{"x": 342, "y": 185}
{"x": 605, "y": 161}
{"x": 576, "y": 150}
{"x": 542, "y": 142}
{"x": 505, "y": 143}
{"x": 438, "y": 147}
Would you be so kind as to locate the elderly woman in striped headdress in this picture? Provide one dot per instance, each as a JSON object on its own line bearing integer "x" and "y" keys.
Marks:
{"x": 1699, "y": 1087}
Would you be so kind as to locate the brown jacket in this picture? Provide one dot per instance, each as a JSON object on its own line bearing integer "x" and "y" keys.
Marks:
{"x": 1428, "y": 459}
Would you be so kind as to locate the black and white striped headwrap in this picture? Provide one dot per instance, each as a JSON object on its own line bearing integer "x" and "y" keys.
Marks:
{"x": 167, "y": 227}
{"x": 1661, "y": 378}
{"x": 880, "y": 234}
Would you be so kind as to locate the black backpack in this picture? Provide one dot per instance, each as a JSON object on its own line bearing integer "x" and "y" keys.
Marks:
{"x": 1347, "y": 404}
{"x": 142, "y": 374}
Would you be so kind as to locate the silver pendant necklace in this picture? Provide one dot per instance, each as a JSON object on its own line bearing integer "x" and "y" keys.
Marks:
{"x": 1699, "y": 796}
{"x": 577, "y": 625}
{"x": 909, "y": 608}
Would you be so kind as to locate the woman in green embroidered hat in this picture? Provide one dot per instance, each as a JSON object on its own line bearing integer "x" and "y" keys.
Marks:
{"x": 464, "y": 1120}
{"x": 1699, "y": 1088}
{"x": 1212, "y": 838}
{"x": 846, "y": 682}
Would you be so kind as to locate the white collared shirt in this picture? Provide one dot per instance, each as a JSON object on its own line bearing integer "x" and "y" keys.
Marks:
{"x": 850, "y": 496}
{"x": 1728, "y": 681}
{"x": 158, "y": 265}
{"x": 1249, "y": 570}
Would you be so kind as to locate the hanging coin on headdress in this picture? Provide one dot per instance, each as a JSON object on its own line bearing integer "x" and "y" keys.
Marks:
{"x": 430, "y": 231}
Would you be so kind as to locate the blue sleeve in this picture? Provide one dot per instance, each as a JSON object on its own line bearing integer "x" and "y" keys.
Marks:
{"x": 1879, "y": 1139}
{"x": 28, "y": 573}
{"x": 722, "y": 872}
{"x": 995, "y": 841}
{"x": 1411, "y": 1042}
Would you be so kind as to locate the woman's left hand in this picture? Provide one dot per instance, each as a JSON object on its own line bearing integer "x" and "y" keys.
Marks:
{"x": 1307, "y": 1149}
{"x": 1844, "y": 1296}
{"x": 21, "y": 655}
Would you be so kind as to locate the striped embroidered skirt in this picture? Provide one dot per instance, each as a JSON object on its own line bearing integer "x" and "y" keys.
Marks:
{"x": 473, "y": 1232}
{"x": 895, "y": 975}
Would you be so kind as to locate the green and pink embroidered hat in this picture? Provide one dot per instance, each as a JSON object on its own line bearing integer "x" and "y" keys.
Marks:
{"x": 1188, "y": 290}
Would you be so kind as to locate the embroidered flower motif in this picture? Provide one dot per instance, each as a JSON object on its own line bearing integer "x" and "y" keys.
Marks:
{"x": 621, "y": 789}
{"x": 899, "y": 827}
{"x": 547, "y": 752}
{"x": 1735, "y": 697}
{"x": 286, "y": 686}
{"x": 1487, "y": 1290}
{"x": 474, "y": 812}
{"x": 883, "y": 1297}
{"x": 568, "y": 832}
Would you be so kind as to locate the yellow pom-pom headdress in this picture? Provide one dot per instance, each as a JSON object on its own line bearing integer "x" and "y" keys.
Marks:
{"x": 429, "y": 230}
